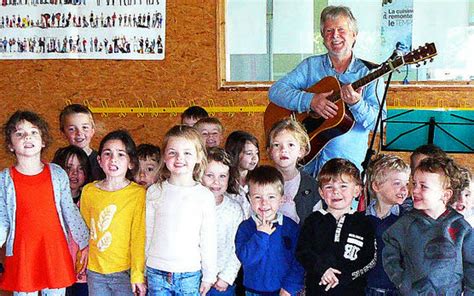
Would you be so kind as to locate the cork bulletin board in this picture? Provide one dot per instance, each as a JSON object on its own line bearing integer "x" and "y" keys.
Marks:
{"x": 187, "y": 75}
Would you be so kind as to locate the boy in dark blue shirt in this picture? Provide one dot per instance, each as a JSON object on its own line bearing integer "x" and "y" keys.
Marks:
{"x": 266, "y": 242}
{"x": 388, "y": 184}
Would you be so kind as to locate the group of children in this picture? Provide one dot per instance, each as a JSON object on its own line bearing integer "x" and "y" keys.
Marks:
{"x": 184, "y": 219}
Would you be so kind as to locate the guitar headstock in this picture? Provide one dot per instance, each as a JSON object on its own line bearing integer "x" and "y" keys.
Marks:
{"x": 420, "y": 54}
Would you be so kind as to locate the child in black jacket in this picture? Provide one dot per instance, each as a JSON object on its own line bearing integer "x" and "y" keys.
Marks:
{"x": 336, "y": 246}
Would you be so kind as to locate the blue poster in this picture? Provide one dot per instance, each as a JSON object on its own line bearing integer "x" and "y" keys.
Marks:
{"x": 396, "y": 31}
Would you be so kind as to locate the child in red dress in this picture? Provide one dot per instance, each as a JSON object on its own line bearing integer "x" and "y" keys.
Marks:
{"x": 36, "y": 213}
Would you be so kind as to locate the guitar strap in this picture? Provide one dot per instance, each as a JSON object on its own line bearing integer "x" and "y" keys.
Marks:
{"x": 371, "y": 66}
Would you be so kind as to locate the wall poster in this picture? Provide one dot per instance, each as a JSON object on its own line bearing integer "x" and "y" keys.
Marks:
{"x": 82, "y": 29}
{"x": 397, "y": 26}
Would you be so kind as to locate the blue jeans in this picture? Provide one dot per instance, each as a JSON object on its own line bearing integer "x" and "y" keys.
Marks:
{"x": 117, "y": 284}
{"x": 163, "y": 283}
{"x": 77, "y": 289}
{"x": 229, "y": 292}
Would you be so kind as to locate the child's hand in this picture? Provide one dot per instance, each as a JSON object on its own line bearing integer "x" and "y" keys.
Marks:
{"x": 84, "y": 260}
{"x": 205, "y": 287}
{"x": 221, "y": 285}
{"x": 266, "y": 226}
{"x": 284, "y": 292}
{"x": 329, "y": 278}
{"x": 139, "y": 289}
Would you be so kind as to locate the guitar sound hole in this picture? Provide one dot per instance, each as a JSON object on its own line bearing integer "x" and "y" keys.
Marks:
{"x": 311, "y": 123}
{"x": 314, "y": 115}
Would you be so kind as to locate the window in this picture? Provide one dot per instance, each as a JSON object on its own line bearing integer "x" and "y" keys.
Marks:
{"x": 260, "y": 41}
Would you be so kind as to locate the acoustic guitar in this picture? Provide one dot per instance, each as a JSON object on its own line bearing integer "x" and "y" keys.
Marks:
{"x": 321, "y": 131}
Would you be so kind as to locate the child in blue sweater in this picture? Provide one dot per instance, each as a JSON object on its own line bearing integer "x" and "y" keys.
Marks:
{"x": 266, "y": 242}
{"x": 388, "y": 184}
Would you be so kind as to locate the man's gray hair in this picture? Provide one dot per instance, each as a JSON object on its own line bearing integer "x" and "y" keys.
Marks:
{"x": 333, "y": 12}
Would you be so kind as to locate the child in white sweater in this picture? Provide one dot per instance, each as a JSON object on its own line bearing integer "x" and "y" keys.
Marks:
{"x": 229, "y": 214}
{"x": 180, "y": 220}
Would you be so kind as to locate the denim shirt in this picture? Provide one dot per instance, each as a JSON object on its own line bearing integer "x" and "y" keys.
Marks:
{"x": 69, "y": 215}
{"x": 288, "y": 92}
{"x": 371, "y": 211}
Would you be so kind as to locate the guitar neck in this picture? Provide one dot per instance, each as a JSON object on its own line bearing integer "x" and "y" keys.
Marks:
{"x": 422, "y": 53}
{"x": 385, "y": 69}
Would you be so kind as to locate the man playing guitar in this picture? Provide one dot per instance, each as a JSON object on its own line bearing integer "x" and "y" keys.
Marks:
{"x": 339, "y": 31}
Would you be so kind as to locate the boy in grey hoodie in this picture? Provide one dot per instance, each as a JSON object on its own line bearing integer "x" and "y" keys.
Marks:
{"x": 430, "y": 250}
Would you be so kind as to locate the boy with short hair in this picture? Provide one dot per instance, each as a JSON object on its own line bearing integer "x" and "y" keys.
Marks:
{"x": 77, "y": 125}
{"x": 211, "y": 130}
{"x": 337, "y": 246}
{"x": 389, "y": 176}
{"x": 192, "y": 115}
{"x": 148, "y": 158}
{"x": 266, "y": 242}
{"x": 420, "y": 153}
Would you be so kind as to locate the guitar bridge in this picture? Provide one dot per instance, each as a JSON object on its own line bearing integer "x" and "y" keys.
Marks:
{"x": 293, "y": 116}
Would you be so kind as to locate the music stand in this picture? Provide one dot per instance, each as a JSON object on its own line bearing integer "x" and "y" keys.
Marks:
{"x": 407, "y": 129}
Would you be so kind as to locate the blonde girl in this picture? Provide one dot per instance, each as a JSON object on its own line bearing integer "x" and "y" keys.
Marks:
{"x": 36, "y": 214}
{"x": 464, "y": 196}
{"x": 114, "y": 210}
{"x": 287, "y": 144}
{"x": 180, "y": 219}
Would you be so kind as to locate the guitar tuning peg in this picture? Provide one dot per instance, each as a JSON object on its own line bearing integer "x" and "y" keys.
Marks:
{"x": 431, "y": 60}
{"x": 417, "y": 65}
{"x": 424, "y": 63}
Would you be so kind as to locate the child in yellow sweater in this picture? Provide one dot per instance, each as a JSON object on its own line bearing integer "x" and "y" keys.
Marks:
{"x": 114, "y": 210}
